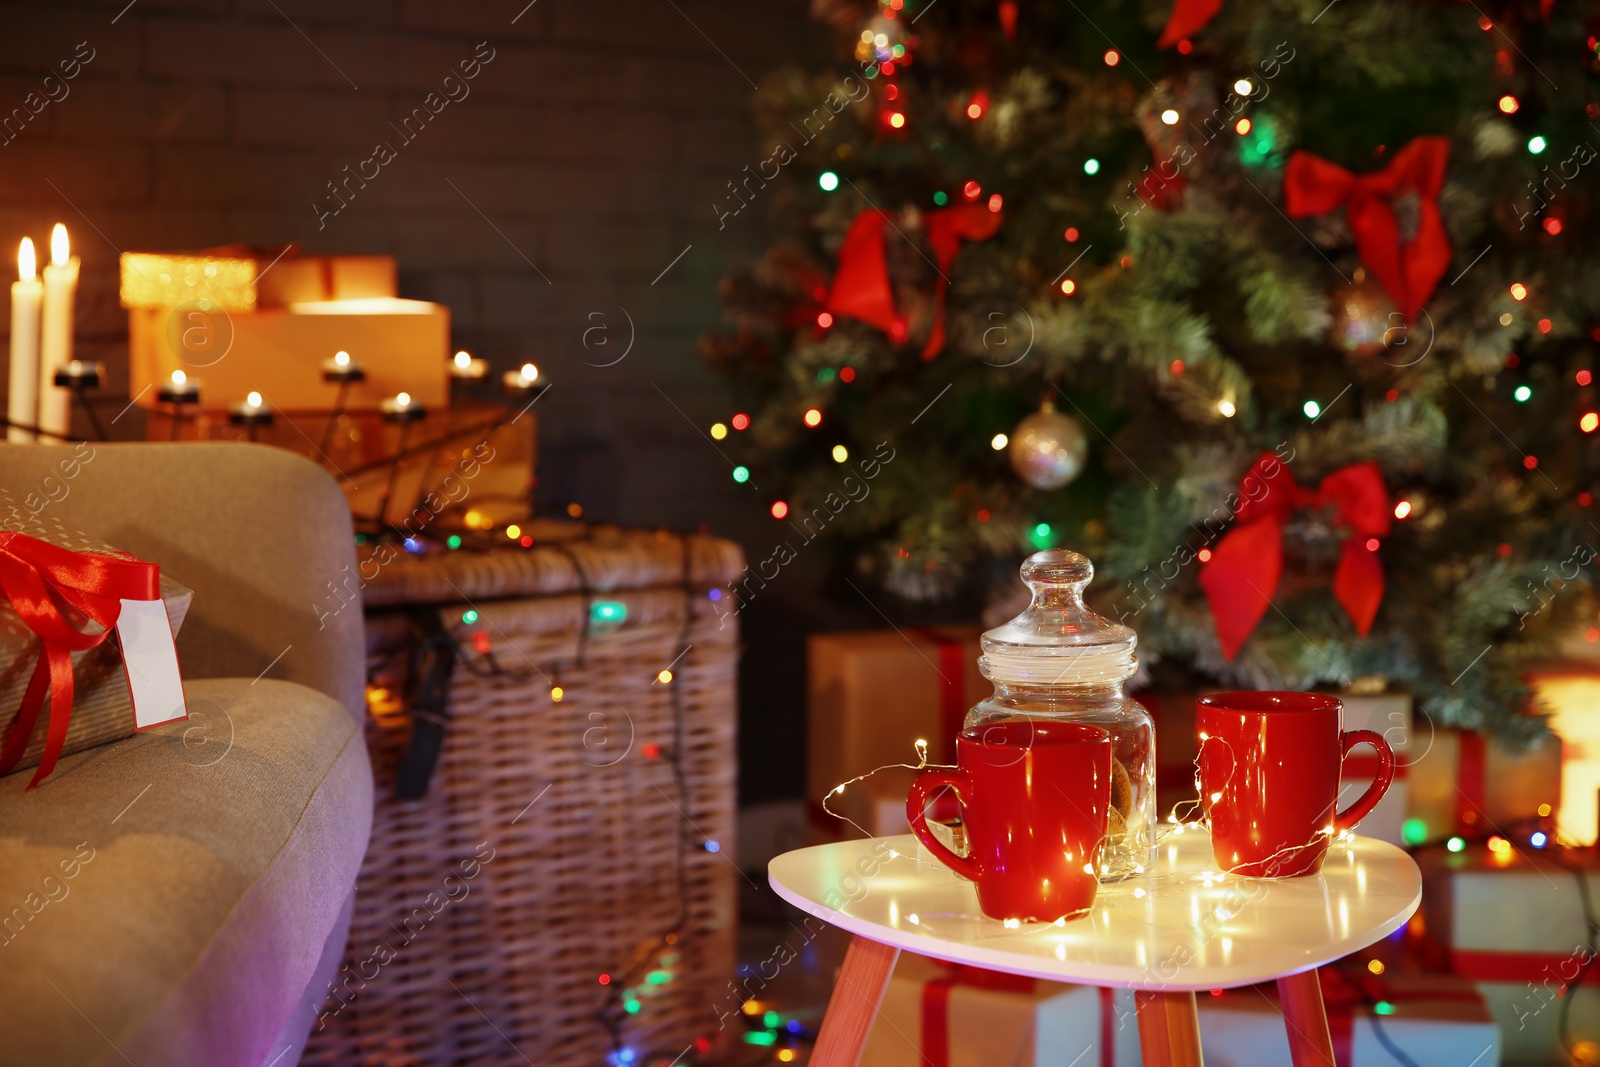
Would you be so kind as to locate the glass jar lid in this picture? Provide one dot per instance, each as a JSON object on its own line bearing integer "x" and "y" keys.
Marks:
{"x": 1058, "y": 640}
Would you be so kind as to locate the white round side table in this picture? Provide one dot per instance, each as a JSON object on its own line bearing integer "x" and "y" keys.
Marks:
{"x": 1181, "y": 927}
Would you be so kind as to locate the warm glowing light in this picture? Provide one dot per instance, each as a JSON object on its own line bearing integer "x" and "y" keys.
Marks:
{"x": 1071, "y": 234}
{"x": 1584, "y": 377}
{"x": 1069, "y": 286}
{"x": 995, "y": 202}
{"x": 824, "y": 319}
{"x": 779, "y": 509}
{"x": 813, "y": 417}
{"x": 1402, "y": 509}
{"x": 1508, "y": 104}
{"x": 1499, "y": 844}
{"x": 1244, "y": 87}
{"x": 1204, "y": 555}
{"x": 27, "y": 264}
{"x": 840, "y": 453}
{"x": 1552, "y": 226}
{"x": 529, "y": 372}
{"x": 1544, "y": 810}
{"x": 664, "y": 677}
{"x": 556, "y": 693}
{"x": 1226, "y": 409}
{"x": 740, "y": 421}
{"x": 786, "y": 1055}
{"x": 972, "y": 190}
{"x": 1518, "y": 291}
{"x": 896, "y": 119}
{"x": 1242, "y": 127}
{"x": 341, "y": 359}
{"x": 719, "y": 430}
{"x": 1375, "y": 966}
{"x": 1590, "y": 420}
{"x": 1170, "y": 117}
{"x": 1112, "y": 57}
{"x": 999, "y": 441}
{"x": 974, "y": 110}
{"x": 252, "y": 399}
{"x": 1530, "y": 462}
{"x": 513, "y": 531}
{"x": 403, "y": 400}
{"x": 1372, "y": 544}
{"x": 463, "y": 360}
{"x": 178, "y": 377}
{"x": 60, "y": 248}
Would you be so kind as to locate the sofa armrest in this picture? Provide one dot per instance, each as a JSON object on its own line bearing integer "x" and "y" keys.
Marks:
{"x": 261, "y": 535}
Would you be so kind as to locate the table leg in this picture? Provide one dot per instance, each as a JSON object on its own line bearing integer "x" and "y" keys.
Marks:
{"x": 854, "y": 1004}
{"x": 1306, "y": 1020}
{"x": 1169, "y": 1029}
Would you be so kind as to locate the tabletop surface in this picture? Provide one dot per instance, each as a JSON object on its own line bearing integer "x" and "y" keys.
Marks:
{"x": 1181, "y": 926}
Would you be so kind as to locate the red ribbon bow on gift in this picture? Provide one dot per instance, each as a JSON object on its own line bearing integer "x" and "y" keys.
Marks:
{"x": 1246, "y": 564}
{"x": 1409, "y": 271}
{"x": 861, "y": 285}
{"x": 35, "y": 576}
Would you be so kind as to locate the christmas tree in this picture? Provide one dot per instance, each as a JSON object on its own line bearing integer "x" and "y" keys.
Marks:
{"x": 1282, "y": 312}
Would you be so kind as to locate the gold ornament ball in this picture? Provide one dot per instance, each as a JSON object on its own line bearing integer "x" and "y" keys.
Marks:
{"x": 1365, "y": 320}
{"x": 1048, "y": 448}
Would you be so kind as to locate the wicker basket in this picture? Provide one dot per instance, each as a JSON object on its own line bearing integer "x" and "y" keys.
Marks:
{"x": 559, "y": 840}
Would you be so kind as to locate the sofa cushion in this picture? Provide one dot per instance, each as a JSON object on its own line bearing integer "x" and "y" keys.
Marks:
{"x": 166, "y": 899}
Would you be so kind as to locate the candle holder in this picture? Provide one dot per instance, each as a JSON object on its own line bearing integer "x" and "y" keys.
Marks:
{"x": 522, "y": 382}
{"x": 343, "y": 371}
{"x": 402, "y": 410}
{"x": 465, "y": 367}
{"x": 182, "y": 393}
{"x": 252, "y": 414}
{"x": 81, "y": 375}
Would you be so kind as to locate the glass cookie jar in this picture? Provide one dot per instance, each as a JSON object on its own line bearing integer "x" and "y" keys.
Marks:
{"x": 1059, "y": 661}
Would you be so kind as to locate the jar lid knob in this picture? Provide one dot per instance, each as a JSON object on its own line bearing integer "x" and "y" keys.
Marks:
{"x": 1058, "y": 639}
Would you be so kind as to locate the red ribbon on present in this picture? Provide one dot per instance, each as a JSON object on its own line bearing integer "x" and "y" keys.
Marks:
{"x": 935, "y": 1035}
{"x": 1409, "y": 270}
{"x": 37, "y": 578}
{"x": 861, "y": 286}
{"x": 1186, "y": 18}
{"x": 1246, "y": 564}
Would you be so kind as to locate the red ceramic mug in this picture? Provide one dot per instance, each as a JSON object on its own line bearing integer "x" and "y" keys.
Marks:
{"x": 1035, "y": 799}
{"x": 1269, "y": 779}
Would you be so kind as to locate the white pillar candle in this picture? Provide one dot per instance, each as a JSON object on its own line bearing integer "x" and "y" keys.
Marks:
{"x": 60, "y": 292}
{"x": 27, "y": 294}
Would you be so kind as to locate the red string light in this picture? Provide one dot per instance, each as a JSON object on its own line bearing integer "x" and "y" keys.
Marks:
{"x": 740, "y": 421}
{"x": 779, "y": 509}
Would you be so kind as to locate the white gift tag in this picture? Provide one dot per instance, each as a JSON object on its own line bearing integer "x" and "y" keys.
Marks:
{"x": 151, "y": 659}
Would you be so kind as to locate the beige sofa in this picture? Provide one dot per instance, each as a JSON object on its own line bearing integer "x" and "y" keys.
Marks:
{"x": 182, "y": 897}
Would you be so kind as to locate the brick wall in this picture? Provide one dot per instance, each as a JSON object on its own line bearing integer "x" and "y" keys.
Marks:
{"x": 549, "y": 200}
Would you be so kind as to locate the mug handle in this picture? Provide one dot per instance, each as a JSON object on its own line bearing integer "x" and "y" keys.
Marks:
{"x": 916, "y": 813}
{"x": 1380, "y": 782}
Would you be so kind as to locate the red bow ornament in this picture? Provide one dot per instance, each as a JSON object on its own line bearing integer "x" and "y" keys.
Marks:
{"x": 1408, "y": 270}
{"x": 861, "y": 286}
{"x": 1186, "y": 19}
{"x": 1242, "y": 576}
{"x": 38, "y": 578}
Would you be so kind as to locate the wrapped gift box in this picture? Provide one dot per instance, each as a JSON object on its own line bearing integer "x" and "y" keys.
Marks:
{"x": 944, "y": 1015}
{"x": 1460, "y": 782}
{"x": 304, "y": 279}
{"x": 403, "y": 346}
{"x": 1513, "y": 920}
{"x": 102, "y": 708}
{"x": 1435, "y": 1020}
{"x": 871, "y": 696}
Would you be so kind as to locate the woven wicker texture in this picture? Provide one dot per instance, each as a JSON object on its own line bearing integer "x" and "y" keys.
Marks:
{"x": 556, "y": 841}
{"x": 610, "y": 558}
